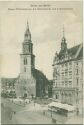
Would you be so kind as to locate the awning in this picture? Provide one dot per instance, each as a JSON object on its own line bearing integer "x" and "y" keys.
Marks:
{"x": 62, "y": 106}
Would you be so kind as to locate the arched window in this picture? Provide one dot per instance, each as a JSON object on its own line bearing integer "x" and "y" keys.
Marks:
{"x": 56, "y": 96}
{"x": 30, "y": 48}
{"x": 25, "y": 61}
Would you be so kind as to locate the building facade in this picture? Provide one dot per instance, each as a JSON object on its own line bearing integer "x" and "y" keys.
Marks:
{"x": 31, "y": 82}
{"x": 50, "y": 86}
{"x": 8, "y": 87}
{"x": 68, "y": 74}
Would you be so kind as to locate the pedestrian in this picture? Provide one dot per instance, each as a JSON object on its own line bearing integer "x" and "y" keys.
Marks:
{"x": 12, "y": 100}
{"x": 77, "y": 111}
{"x": 53, "y": 120}
{"x": 34, "y": 104}
{"x": 14, "y": 112}
{"x": 43, "y": 112}
{"x": 10, "y": 116}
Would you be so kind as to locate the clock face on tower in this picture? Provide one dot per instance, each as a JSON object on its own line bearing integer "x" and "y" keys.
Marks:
{"x": 25, "y": 49}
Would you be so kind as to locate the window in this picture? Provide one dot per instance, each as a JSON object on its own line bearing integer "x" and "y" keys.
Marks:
{"x": 56, "y": 96}
{"x": 62, "y": 83}
{"x": 25, "y": 61}
{"x": 66, "y": 83}
{"x": 77, "y": 71}
{"x": 77, "y": 81}
{"x": 62, "y": 73}
{"x": 70, "y": 63}
{"x": 70, "y": 73}
{"x": 62, "y": 65}
{"x": 66, "y": 70}
{"x": 56, "y": 84}
{"x": 66, "y": 73}
{"x": 70, "y": 83}
{"x": 29, "y": 48}
{"x": 56, "y": 77}
{"x": 66, "y": 64}
{"x": 77, "y": 63}
{"x": 24, "y": 69}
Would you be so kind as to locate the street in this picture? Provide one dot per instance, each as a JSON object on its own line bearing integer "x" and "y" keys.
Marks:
{"x": 32, "y": 113}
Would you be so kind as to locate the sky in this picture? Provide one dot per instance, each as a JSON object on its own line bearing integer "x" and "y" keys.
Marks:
{"x": 46, "y": 28}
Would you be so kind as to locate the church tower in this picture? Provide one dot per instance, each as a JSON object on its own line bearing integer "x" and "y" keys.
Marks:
{"x": 27, "y": 57}
{"x": 30, "y": 82}
{"x": 26, "y": 84}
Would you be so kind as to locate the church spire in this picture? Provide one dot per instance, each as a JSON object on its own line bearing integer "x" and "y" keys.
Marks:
{"x": 27, "y": 25}
{"x": 63, "y": 43}
{"x": 63, "y": 38}
{"x": 27, "y": 35}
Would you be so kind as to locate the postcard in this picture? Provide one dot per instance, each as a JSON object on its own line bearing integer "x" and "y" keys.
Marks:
{"x": 41, "y": 62}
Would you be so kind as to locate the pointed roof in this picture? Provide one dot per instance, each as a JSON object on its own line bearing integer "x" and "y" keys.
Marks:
{"x": 72, "y": 51}
{"x": 27, "y": 29}
{"x": 27, "y": 35}
{"x": 63, "y": 38}
{"x": 41, "y": 82}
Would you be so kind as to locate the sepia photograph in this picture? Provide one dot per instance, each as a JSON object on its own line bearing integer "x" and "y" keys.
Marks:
{"x": 41, "y": 62}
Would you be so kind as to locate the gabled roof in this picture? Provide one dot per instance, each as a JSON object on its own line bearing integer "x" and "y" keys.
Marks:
{"x": 80, "y": 55}
{"x": 8, "y": 80}
{"x": 72, "y": 51}
{"x": 78, "y": 49}
{"x": 40, "y": 77}
{"x": 41, "y": 82}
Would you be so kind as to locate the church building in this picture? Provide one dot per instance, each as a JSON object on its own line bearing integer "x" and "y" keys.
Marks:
{"x": 31, "y": 82}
